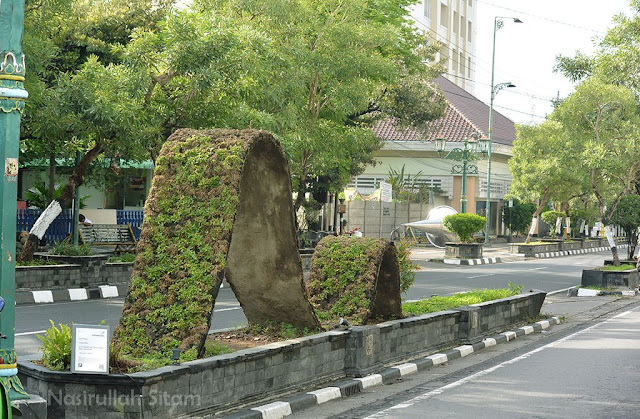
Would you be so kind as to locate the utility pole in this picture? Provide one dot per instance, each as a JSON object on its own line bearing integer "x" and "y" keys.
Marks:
{"x": 12, "y": 98}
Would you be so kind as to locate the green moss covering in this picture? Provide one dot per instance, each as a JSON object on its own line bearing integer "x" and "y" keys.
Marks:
{"x": 183, "y": 245}
{"x": 353, "y": 278}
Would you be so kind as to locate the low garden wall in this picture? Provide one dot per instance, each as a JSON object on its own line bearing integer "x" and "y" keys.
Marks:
{"x": 77, "y": 272}
{"x": 220, "y": 383}
{"x": 530, "y": 250}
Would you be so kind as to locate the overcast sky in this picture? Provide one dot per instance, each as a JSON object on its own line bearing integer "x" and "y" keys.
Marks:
{"x": 525, "y": 52}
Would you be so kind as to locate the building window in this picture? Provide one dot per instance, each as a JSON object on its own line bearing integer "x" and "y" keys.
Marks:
{"x": 444, "y": 15}
{"x": 455, "y": 22}
{"x": 469, "y": 67}
{"x": 461, "y": 62}
{"x": 427, "y": 8}
{"x": 470, "y": 3}
{"x": 469, "y": 32}
{"x": 463, "y": 27}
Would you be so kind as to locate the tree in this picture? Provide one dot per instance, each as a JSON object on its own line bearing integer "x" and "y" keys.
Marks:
{"x": 627, "y": 216}
{"x": 332, "y": 68}
{"x": 518, "y": 217}
{"x": 603, "y": 121}
{"x": 542, "y": 166}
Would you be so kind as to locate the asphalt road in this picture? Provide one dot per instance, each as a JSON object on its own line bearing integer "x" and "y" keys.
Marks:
{"x": 590, "y": 372}
{"x": 435, "y": 278}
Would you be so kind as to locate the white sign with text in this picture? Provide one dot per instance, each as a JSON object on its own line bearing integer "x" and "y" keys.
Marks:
{"x": 90, "y": 349}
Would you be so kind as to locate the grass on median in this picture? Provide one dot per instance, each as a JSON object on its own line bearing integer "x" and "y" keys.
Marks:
{"x": 438, "y": 303}
{"x": 625, "y": 267}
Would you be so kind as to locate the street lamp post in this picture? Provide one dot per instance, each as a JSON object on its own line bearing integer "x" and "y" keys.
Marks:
{"x": 466, "y": 154}
{"x": 12, "y": 97}
{"x": 495, "y": 88}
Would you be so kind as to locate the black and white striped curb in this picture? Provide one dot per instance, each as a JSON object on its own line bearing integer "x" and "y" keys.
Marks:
{"x": 348, "y": 387}
{"x": 72, "y": 294}
{"x": 575, "y": 252}
{"x": 482, "y": 261}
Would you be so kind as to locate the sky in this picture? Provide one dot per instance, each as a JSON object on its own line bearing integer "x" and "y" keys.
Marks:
{"x": 525, "y": 52}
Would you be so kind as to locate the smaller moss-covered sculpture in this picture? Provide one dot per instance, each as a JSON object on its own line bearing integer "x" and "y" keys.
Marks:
{"x": 354, "y": 278}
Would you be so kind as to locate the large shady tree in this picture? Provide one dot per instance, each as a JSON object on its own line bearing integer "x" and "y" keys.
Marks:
{"x": 316, "y": 73}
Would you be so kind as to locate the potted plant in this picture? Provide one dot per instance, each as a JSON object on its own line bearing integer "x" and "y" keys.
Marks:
{"x": 464, "y": 226}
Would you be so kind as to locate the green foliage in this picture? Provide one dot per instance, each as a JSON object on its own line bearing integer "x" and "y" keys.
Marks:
{"x": 278, "y": 330}
{"x": 123, "y": 257}
{"x": 627, "y": 216}
{"x": 551, "y": 217}
{"x": 438, "y": 303}
{"x": 407, "y": 267}
{"x": 406, "y": 188}
{"x": 184, "y": 259}
{"x": 67, "y": 249}
{"x": 38, "y": 196}
{"x": 215, "y": 349}
{"x": 56, "y": 347}
{"x": 623, "y": 267}
{"x": 464, "y": 225}
{"x": 518, "y": 217}
{"x": 37, "y": 262}
{"x": 343, "y": 278}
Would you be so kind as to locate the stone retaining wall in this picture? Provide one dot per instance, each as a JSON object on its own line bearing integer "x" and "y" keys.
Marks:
{"x": 88, "y": 273}
{"x": 226, "y": 381}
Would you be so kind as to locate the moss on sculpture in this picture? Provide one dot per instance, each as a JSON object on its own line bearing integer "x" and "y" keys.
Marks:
{"x": 187, "y": 235}
{"x": 356, "y": 279}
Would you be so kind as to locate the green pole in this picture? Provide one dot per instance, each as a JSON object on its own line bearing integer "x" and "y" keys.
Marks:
{"x": 493, "y": 66}
{"x": 12, "y": 97}
{"x": 463, "y": 198}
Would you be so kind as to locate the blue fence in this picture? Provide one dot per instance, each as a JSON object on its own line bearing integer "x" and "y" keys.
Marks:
{"x": 133, "y": 218}
{"x": 57, "y": 231}
{"x": 61, "y": 226}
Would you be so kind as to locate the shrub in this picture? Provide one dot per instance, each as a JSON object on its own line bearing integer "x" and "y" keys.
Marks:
{"x": 407, "y": 267}
{"x": 123, "y": 257}
{"x": 464, "y": 225}
{"x": 56, "y": 347}
{"x": 551, "y": 217}
{"x": 627, "y": 216}
{"x": 518, "y": 217}
{"x": 67, "y": 249}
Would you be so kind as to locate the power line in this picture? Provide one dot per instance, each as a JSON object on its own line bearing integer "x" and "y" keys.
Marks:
{"x": 543, "y": 18}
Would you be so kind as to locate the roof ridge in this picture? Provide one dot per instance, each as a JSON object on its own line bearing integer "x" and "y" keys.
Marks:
{"x": 459, "y": 112}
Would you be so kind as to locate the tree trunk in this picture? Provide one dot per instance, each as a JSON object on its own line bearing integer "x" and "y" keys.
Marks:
{"x": 534, "y": 219}
{"x": 52, "y": 177}
{"x": 608, "y": 232}
{"x": 55, "y": 207}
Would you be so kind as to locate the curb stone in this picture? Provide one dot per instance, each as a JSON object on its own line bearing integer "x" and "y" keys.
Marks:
{"x": 482, "y": 261}
{"x": 72, "y": 294}
{"x": 349, "y": 387}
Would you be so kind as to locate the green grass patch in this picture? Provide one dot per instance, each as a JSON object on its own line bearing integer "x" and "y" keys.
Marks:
{"x": 67, "y": 249}
{"x": 38, "y": 262}
{"x": 438, "y": 303}
{"x": 624, "y": 267}
{"x": 123, "y": 257}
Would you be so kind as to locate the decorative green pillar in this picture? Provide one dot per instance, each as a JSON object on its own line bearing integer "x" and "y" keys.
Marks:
{"x": 12, "y": 97}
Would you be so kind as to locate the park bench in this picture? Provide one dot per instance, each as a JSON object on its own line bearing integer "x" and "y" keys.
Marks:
{"x": 118, "y": 235}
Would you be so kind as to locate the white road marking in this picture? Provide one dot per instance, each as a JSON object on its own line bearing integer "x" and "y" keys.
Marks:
{"x": 479, "y": 276}
{"x": 37, "y": 332}
{"x": 479, "y": 374}
{"x": 537, "y": 269}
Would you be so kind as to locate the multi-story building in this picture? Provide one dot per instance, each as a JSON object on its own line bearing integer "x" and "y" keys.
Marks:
{"x": 451, "y": 23}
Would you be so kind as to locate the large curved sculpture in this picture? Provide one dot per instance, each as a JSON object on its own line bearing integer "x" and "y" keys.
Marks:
{"x": 437, "y": 235}
{"x": 220, "y": 204}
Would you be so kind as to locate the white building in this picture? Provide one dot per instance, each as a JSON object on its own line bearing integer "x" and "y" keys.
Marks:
{"x": 452, "y": 23}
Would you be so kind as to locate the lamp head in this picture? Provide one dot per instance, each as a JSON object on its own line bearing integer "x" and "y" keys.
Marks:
{"x": 517, "y": 20}
{"x": 440, "y": 144}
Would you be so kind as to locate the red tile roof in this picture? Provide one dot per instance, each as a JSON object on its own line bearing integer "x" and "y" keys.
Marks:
{"x": 464, "y": 115}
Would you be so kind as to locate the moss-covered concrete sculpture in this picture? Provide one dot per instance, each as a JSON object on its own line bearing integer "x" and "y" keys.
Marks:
{"x": 220, "y": 204}
{"x": 354, "y": 278}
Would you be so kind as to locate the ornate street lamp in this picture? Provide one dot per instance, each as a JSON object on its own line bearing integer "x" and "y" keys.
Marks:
{"x": 12, "y": 97}
{"x": 468, "y": 153}
{"x": 495, "y": 88}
